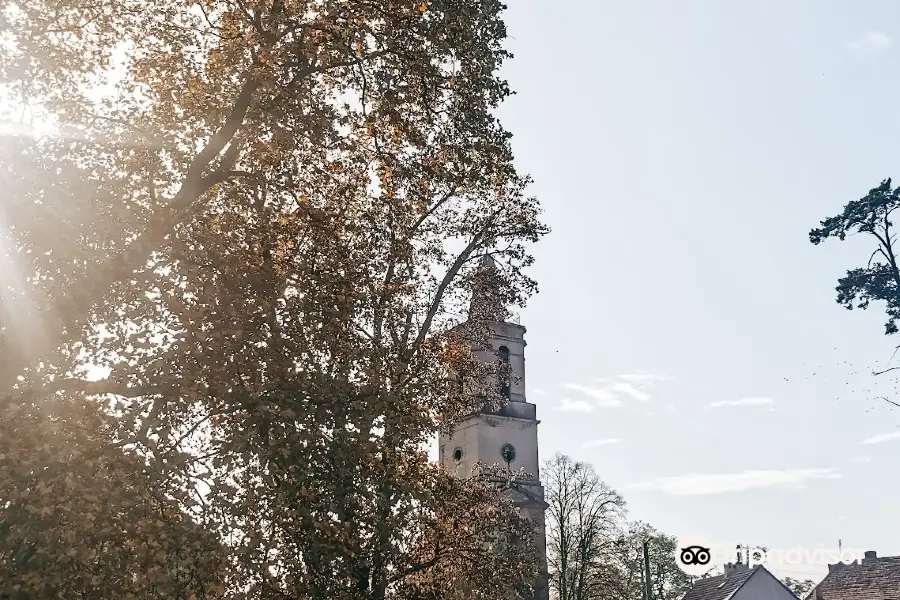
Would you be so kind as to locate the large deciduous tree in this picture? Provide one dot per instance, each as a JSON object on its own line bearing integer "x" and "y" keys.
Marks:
{"x": 259, "y": 220}
{"x": 584, "y": 517}
{"x": 594, "y": 553}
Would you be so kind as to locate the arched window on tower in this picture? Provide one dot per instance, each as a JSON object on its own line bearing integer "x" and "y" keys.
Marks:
{"x": 504, "y": 372}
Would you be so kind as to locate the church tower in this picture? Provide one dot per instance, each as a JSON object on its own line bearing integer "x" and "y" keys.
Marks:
{"x": 508, "y": 435}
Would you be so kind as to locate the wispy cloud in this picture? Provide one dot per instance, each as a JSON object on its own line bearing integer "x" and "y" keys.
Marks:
{"x": 539, "y": 392}
{"x": 569, "y": 405}
{"x": 602, "y": 396}
{"x": 757, "y": 401}
{"x": 630, "y": 390}
{"x": 643, "y": 377}
{"x": 610, "y": 391}
{"x": 703, "y": 484}
{"x": 882, "y": 437}
{"x": 863, "y": 459}
{"x": 670, "y": 407}
{"x": 871, "y": 43}
{"x": 598, "y": 443}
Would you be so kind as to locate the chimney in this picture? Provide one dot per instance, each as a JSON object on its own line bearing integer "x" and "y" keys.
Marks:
{"x": 869, "y": 557}
{"x": 835, "y": 568}
{"x": 732, "y": 568}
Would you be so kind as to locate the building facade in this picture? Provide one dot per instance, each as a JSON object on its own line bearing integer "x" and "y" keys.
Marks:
{"x": 507, "y": 436}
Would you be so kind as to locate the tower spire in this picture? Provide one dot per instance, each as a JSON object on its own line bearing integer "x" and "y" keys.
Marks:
{"x": 487, "y": 303}
{"x": 504, "y": 429}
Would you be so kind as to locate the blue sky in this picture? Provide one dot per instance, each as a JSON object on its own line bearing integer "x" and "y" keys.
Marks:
{"x": 683, "y": 151}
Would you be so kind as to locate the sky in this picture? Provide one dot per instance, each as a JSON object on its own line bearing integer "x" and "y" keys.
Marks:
{"x": 686, "y": 340}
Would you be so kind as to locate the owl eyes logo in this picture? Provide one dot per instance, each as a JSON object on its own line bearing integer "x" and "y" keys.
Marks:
{"x": 694, "y": 555}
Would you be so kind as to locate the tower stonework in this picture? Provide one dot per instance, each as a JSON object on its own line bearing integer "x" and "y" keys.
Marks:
{"x": 488, "y": 436}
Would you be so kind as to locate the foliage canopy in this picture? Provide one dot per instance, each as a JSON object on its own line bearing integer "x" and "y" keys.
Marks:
{"x": 258, "y": 221}
{"x": 879, "y": 279}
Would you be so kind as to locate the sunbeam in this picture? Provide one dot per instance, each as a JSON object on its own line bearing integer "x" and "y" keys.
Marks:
{"x": 20, "y": 321}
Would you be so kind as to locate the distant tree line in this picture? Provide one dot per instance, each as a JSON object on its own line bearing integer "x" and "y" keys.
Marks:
{"x": 596, "y": 553}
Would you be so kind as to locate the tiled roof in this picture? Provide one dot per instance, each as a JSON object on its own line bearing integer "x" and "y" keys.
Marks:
{"x": 873, "y": 579}
{"x": 719, "y": 587}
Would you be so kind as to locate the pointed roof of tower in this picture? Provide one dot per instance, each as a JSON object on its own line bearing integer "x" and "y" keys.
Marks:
{"x": 487, "y": 299}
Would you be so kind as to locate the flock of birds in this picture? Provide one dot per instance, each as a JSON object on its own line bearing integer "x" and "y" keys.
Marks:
{"x": 877, "y": 386}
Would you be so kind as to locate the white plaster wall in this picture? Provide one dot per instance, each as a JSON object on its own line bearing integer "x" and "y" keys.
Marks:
{"x": 522, "y": 434}
{"x": 511, "y": 336}
{"x": 466, "y": 437}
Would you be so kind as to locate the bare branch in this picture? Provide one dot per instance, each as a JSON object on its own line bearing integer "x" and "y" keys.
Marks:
{"x": 897, "y": 404}
{"x": 888, "y": 370}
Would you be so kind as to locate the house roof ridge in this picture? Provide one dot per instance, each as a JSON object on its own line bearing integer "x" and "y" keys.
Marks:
{"x": 723, "y": 586}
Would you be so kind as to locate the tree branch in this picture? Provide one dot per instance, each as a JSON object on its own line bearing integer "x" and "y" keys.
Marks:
{"x": 888, "y": 370}
{"x": 70, "y": 310}
{"x": 336, "y": 65}
{"x": 440, "y": 202}
{"x": 449, "y": 276}
{"x": 897, "y": 404}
